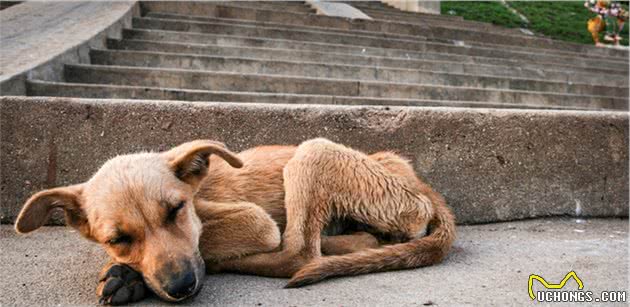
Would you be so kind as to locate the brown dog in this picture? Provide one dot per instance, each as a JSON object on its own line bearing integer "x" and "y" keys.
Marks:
{"x": 168, "y": 215}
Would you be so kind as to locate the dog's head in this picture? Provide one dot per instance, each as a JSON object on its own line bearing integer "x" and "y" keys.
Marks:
{"x": 140, "y": 208}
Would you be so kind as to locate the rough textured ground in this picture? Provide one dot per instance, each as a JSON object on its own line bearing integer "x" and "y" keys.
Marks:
{"x": 489, "y": 265}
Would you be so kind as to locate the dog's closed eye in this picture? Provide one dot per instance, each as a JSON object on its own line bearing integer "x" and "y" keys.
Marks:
{"x": 121, "y": 239}
{"x": 172, "y": 212}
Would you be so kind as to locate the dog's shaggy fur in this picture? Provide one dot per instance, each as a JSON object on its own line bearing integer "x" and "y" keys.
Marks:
{"x": 307, "y": 212}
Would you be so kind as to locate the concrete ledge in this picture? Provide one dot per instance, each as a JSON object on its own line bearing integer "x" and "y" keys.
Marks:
{"x": 37, "y": 38}
{"x": 491, "y": 165}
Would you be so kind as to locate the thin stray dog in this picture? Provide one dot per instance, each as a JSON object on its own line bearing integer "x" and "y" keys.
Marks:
{"x": 307, "y": 212}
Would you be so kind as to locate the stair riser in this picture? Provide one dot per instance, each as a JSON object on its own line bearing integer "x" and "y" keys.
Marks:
{"x": 311, "y": 36}
{"x": 268, "y": 84}
{"x": 351, "y": 59}
{"x": 296, "y": 7}
{"x": 126, "y": 92}
{"x": 340, "y": 72}
{"x": 393, "y": 55}
{"x": 415, "y": 35}
{"x": 291, "y": 18}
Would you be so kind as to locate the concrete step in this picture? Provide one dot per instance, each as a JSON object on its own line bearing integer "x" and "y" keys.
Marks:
{"x": 105, "y": 91}
{"x": 346, "y": 72}
{"x": 36, "y": 273}
{"x": 203, "y": 80}
{"x": 365, "y": 40}
{"x": 214, "y": 10}
{"x": 620, "y": 76}
{"x": 318, "y": 28}
{"x": 490, "y": 164}
{"x": 231, "y": 47}
{"x": 286, "y": 6}
{"x": 431, "y": 33}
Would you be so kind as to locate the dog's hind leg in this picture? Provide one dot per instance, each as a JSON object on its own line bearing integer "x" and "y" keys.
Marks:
{"x": 307, "y": 204}
{"x": 350, "y": 243}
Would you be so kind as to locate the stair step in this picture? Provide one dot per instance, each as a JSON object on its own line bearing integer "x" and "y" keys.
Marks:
{"x": 285, "y": 26}
{"x": 552, "y": 157}
{"x": 366, "y": 40}
{"x": 284, "y": 6}
{"x": 483, "y": 34}
{"x": 230, "y": 40}
{"x": 203, "y": 80}
{"x": 444, "y": 35}
{"x": 159, "y": 43}
{"x": 346, "y": 72}
{"x": 101, "y": 91}
{"x": 212, "y": 10}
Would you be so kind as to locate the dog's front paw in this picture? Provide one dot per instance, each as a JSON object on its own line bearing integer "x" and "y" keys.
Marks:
{"x": 120, "y": 285}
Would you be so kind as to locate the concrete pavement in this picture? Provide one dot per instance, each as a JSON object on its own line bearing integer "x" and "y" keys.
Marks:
{"x": 489, "y": 265}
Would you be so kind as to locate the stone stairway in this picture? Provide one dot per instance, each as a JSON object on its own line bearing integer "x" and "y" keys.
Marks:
{"x": 255, "y": 52}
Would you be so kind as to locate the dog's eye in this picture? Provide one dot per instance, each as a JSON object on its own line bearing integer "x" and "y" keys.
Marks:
{"x": 123, "y": 239}
{"x": 172, "y": 213}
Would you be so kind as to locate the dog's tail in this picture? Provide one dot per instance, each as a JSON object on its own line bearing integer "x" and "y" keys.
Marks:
{"x": 419, "y": 252}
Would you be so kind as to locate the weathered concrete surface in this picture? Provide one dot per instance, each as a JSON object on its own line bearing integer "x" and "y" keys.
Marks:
{"x": 82, "y": 90}
{"x": 491, "y": 165}
{"x": 37, "y": 38}
{"x": 488, "y": 266}
{"x": 372, "y": 40}
{"x": 289, "y": 50}
{"x": 230, "y": 81}
{"x": 154, "y": 59}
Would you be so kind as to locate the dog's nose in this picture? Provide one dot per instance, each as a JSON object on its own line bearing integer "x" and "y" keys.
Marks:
{"x": 183, "y": 285}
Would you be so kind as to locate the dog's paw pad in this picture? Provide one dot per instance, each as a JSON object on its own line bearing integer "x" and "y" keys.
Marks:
{"x": 120, "y": 285}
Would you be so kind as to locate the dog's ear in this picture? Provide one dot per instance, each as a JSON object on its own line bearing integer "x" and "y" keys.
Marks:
{"x": 189, "y": 161}
{"x": 39, "y": 207}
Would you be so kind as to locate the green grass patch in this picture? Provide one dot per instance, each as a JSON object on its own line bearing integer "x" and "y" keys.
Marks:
{"x": 485, "y": 11}
{"x": 561, "y": 20}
